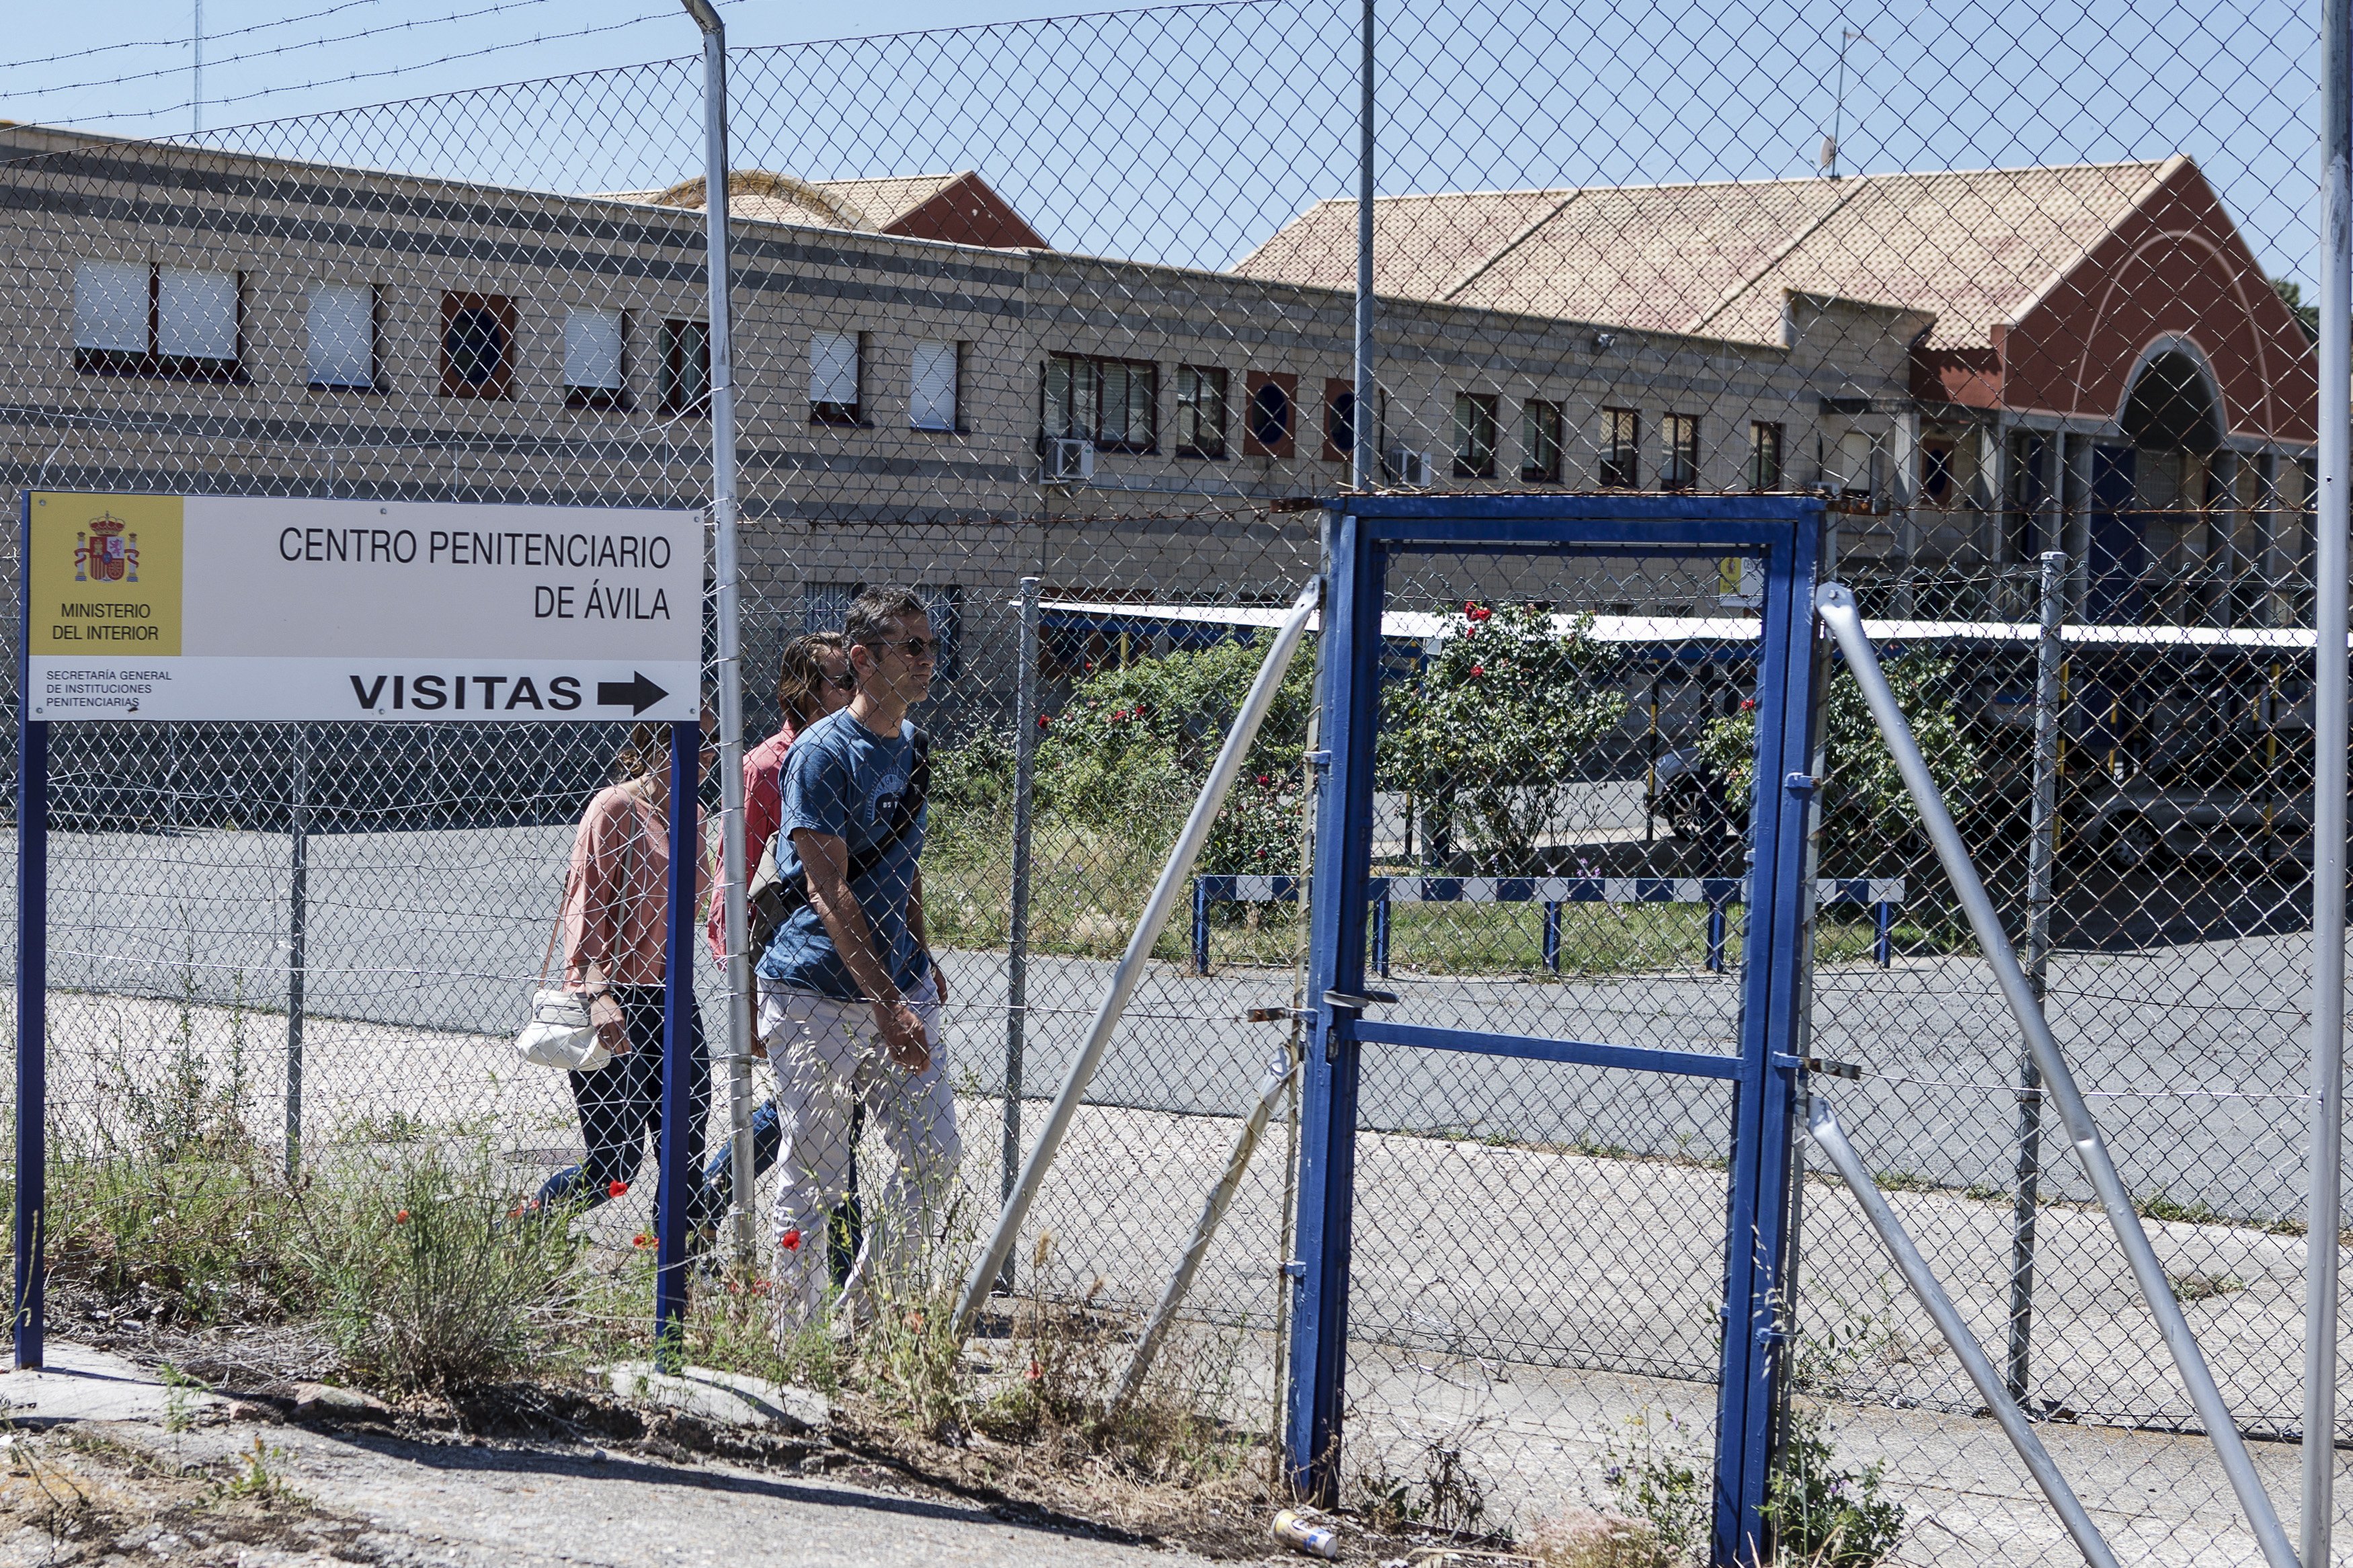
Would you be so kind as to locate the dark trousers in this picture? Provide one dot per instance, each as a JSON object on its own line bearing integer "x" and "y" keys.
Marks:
{"x": 843, "y": 1236}
{"x": 621, "y": 1111}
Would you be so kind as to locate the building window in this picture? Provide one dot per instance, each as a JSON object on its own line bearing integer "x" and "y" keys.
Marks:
{"x": 1540, "y": 426}
{"x": 1114, "y": 403}
{"x": 833, "y": 377}
{"x": 1267, "y": 428}
{"x": 1679, "y": 438}
{"x": 593, "y": 366}
{"x": 1201, "y": 412}
{"x": 1937, "y": 472}
{"x": 686, "y": 368}
{"x": 342, "y": 345}
{"x": 1339, "y": 420}
{"x": 1622, "y": 449}
{"x": 131, "y": 318}
{"x": 932, "y": 393}
{"x": 477, "y": 335}
{"x": 1474, "y": 435}
{"x": 1764, "y": 455}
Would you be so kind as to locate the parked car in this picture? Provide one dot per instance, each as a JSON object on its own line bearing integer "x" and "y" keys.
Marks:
{"x": 2134, "y": 823}
{"x": 1691, "y": 797}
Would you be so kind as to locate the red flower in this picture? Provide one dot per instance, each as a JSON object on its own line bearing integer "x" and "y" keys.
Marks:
{"x": 1265, "y": 778}
{"x": 641, "y": 1239}
{"x": 400, "y": 1218}
{"x": 1747, "y": 704}
{"x": 1477, "y": 670}
{"x": 617, "y": 1189}
{"x": 791, "y": 1240}
{"x": 1477, "y": 613}
{"x": 1037, "y": 1374}
{"x": 1044, "y": 720}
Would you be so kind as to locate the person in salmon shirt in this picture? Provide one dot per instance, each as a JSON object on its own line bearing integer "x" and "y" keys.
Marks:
{"x": 616, "y": 909}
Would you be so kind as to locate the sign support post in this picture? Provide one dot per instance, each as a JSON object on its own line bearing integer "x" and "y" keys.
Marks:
{"x": 304, "y": 610}
{"x": 32, "y": 994}
{"x": 673, "y": 1205}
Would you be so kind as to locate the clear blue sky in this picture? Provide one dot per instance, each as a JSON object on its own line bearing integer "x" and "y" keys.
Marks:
{"x": 1187, "y": 134}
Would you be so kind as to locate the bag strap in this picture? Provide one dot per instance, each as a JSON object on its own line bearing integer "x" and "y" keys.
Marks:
{"x": 902, "y": 820}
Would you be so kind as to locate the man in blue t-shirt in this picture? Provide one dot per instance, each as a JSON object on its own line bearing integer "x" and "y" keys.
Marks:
{"x": 850, "y": 997}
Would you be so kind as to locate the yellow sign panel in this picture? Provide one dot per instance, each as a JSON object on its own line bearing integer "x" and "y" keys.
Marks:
{"x": 105, "y": 576}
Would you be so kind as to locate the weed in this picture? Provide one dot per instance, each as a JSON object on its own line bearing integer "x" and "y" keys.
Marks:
{"x": 1591, "y": 1537}
{"x": 1824, "y": 1517}
{"x": 1904, "y": 1182}
{"x": 2163, "y": 1206}
{"x": 428, "y": 1282}
{"x": 2199, "y": 1286}
{"x": 1662, "y": 1476}
{"x": 180, "y": 1391}
{"x": 258, "y": 1479}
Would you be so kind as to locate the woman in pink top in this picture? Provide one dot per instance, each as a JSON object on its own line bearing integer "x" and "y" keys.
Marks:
{"x": 616, "y": 905}
{"x": 812, "y": 680}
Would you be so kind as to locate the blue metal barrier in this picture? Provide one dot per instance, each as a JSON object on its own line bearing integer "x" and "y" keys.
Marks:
{"x": 1884, "y": 895}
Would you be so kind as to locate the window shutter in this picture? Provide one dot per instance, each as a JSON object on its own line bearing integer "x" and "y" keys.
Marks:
{"x": 111, "y": 306}
{"x": 343, "y": 335}
{"x": 592, "y": 350}
{"x": 196, "y": 315}
{"x": 833, "y": 368}
{"x": 932, "y": 403}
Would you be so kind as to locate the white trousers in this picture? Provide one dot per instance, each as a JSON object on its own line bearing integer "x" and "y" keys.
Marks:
{"x": 824, "y": 1052}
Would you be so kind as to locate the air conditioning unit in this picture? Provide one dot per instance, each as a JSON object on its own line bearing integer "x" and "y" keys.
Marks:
{"x": 1408, "y": 467}
{"x": 1070, "y": 462}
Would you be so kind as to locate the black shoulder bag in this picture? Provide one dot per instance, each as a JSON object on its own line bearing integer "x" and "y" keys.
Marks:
{"x": 774, "y": 898}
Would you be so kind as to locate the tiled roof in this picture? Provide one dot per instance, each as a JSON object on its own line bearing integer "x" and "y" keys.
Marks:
{"x": 1972, "y": 245}
{"x": 869, "y": 205}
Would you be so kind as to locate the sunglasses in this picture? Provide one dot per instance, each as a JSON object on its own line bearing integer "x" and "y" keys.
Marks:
{"x": 845, "y": 681}
{"x": 916, "y": 649}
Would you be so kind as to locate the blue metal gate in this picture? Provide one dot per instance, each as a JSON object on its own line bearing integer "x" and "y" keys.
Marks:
{"x": 1369, "y": 537}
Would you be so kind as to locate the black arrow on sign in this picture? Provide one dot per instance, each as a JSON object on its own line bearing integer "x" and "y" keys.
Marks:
{"x": 637, "y": 694}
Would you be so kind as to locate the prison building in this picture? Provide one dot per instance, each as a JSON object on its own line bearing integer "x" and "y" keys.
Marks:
{"x": 959, "y": 411}
{"x": 2104, "y": 368}
{"x": 1977, "y": 366}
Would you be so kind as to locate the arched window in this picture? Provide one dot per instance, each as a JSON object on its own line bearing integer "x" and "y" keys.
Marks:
{"x": 2171, "y": 407}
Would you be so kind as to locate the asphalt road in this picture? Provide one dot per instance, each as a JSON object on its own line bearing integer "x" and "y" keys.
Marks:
{"x": 2192, "y": 1052}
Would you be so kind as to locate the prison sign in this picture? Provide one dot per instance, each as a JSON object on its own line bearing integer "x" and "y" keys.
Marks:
{"x": 223, "y": 607}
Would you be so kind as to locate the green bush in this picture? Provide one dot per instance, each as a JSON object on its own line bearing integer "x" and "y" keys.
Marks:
{"x": 1495, "y": 727}
{"x": 1868, "y": 816}
{"x": 1131, "y": 747}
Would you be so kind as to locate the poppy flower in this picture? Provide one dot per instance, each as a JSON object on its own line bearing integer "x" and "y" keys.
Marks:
{"x": 617, "y": 1189}
{"x": 1477, "y": 670}
{"x": 1747, "y": 704}
{"x": 791, "y": 1240}
{"x": 641, "y": 1239}
{"x": 1044, "y": 720}
{"x": 1263, "y": 778}
{"x": 400, "y": 1218}
{"x": 1037, "y": 1374}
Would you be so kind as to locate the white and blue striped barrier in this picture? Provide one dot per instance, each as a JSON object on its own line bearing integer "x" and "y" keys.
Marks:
{"x": 1884, "y": 894}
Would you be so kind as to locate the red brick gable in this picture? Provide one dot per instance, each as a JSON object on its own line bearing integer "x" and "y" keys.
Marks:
{"x": 2174, "y": 271}
{"x": 965, "y": 211}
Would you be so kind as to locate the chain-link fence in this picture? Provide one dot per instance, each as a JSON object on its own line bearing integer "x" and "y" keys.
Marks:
{"x": 1072, "y": 301}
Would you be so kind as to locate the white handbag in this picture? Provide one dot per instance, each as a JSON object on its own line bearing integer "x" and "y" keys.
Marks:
{"x": 559, "y": 1033}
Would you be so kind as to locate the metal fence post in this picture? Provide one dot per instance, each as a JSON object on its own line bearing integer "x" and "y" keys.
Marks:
{"x": 1349, "y": 703}
{"x": 2042, "y": 864}
{"x": 298, "y": 933}
{"x": 1366, "y": 426}
{"x": 1017, "y": 936}
{"x": 727, "y": 668}
{"x": 2330, "y": 740}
